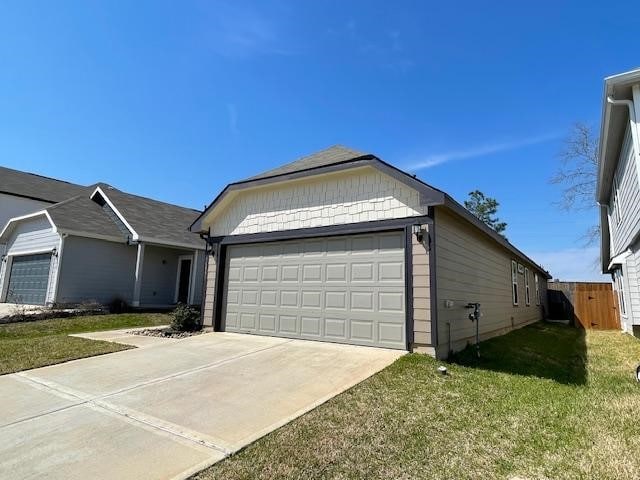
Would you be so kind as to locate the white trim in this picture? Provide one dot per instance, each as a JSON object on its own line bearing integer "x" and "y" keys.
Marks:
{"x": 527, "y": 288}
{"x": 96, "y": 236}
{"x": 536, "y": 280}
{"x": 7, "y": 272}
{"x": 135, "y": 236}
{"x": 137, "y": 284}
{"x": 619, "y": 259}
{"x": 37, "y": 251}
{"x": 26, "y": 217}
{"x": 179, "y": 271}
{"x": 164, "y": 243}
{"x": 194, "y": 270}
{"x": 515, "y": 294}
{"x": 54, "y": 294}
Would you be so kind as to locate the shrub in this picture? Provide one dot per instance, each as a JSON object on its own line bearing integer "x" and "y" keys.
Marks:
{"x": 185, "y": 318}
{"x": 118, "y": 305}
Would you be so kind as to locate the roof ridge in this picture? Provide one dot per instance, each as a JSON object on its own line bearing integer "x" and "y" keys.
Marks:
{"x": 100, "y": 184}
{"x": 44, "y": 177}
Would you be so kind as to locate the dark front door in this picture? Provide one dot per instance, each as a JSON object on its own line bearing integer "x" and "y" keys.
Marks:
{"x": 183, "y": 281}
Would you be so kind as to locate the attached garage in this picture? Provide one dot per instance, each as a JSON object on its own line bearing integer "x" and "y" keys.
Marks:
{"x": 29, "y": 279}
{"x": 346, "y": 289}
{"x": 342, "y": 247}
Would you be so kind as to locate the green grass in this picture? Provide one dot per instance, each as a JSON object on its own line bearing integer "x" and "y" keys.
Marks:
{"x": 543, "y": 402}
{"x": 45, "y": 342}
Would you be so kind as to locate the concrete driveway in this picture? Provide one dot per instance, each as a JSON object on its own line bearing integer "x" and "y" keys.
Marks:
{"x": 170, "y": 409}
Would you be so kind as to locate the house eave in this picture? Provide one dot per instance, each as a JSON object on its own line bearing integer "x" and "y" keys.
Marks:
{"x": 429, "y": 195}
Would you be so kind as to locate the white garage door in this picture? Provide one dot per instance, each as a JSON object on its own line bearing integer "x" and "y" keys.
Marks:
{"x": 347, "y": 289}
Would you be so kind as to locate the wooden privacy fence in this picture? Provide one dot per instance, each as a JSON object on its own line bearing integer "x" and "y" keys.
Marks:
{"x": 589, "y": 305}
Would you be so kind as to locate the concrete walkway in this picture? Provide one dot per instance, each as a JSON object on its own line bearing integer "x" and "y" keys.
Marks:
{"x": 168, "y": 410}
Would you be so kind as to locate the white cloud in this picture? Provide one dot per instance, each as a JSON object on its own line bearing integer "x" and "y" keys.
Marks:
{"x": 432, "y": 160}
{"x": 236, "y": 31}
{"x": 572, "y": 264}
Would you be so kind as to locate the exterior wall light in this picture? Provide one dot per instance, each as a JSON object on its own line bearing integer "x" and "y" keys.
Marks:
{"x": 418, "y": 232}
{"x": 54, "y": 252}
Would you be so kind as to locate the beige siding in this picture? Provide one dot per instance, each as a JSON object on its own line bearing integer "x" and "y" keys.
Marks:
{"x": 472, "y": 267}
{"x": 421, "y": 295}
{"x": 209, "y": 293}
{"x": 353, "y": 196}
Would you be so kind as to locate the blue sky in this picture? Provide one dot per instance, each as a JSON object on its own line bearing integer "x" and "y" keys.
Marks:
{"x": 174, "y": 100}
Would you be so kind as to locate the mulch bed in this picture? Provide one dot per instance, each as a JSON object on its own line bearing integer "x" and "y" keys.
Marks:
{"x": 165, "y": 333}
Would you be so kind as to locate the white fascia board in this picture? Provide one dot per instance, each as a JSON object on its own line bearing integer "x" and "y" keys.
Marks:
{"x": 135, "y": 236}
{"x": 619, "y": 259}
{"x": 39, "y": 213}
{"x": 96, "y": 236}
{"x": 164, "y": 243}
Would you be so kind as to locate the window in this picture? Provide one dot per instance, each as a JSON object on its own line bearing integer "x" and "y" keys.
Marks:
{"x": 617, "y": 214}
{"x": 514, "y": 281}
{"x": 619, "y": 281}
{"x": 536, "y": 280}
{"x": 527, "y": 290}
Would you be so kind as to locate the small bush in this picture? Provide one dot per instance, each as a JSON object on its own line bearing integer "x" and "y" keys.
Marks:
{"x": 118, "y": 305}
{"x": 185, "y": 318}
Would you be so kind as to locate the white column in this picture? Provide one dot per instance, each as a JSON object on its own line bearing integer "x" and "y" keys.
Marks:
{"x": 194, "y": 279}
{"x": 635, "y": 126}
{"x": 138, "y": 280}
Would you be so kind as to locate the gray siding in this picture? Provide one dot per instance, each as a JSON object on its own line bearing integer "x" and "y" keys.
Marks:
{"x": 96, "y": 270}
{"x": 631, "y": 270}
{"x": 199, "y": 278}
{"x": 623, "y": 233}
{"x": 159, "y": 275}
{"x": 472, "y": 267}
{"x": 31, "y": 236}
{"x": 12, "y": 206}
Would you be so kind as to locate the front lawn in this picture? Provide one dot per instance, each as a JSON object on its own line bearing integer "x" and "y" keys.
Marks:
{"x": 545, "y": 401}
{"x": 45, "y": 342}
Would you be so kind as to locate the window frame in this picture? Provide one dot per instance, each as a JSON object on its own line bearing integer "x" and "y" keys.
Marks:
{"x": 621, "y": 296}
{"x": 617, "y": 214}
{"x": 527, "y": 288}
{"x": 514, "y": 283}
{"x": 536, "y": 281}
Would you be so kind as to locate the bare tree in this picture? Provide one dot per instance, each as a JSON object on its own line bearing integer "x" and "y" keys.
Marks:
{"x": 578, "y": 175}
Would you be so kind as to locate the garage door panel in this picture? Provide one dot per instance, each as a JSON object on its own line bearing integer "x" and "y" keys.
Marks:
{"x": 29, "y": 279}
{"x": 288, "y": 324}
{"x": 268, "y": 322}
{"x": 347, "y": 289}
{"x": 311, "y": 326}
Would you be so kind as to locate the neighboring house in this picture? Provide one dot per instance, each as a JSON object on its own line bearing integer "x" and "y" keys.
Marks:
{"x": 618, "y": 193}
{"x": 22, "y": 193}
{"x": 342, "y": 247}
{"x": 98, "y": 244}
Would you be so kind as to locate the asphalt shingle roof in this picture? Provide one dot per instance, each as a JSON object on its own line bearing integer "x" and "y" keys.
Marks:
{"x": 154, "y": 219}
{"x": 323, "y": 158}
{"x": 81, "y": 214}
{"x": 24, "y": 184}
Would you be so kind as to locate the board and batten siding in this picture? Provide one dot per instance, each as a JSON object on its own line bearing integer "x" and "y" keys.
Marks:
{"x": 352, "y": 196}
{"x": 34, "y": 235}
{"x": 472, "y": 267}
{"x": 96, "y": 270}
{"x": 209, "y": 291}
{"x": 628, "y": 199}
{"x": 421, "y": 285}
